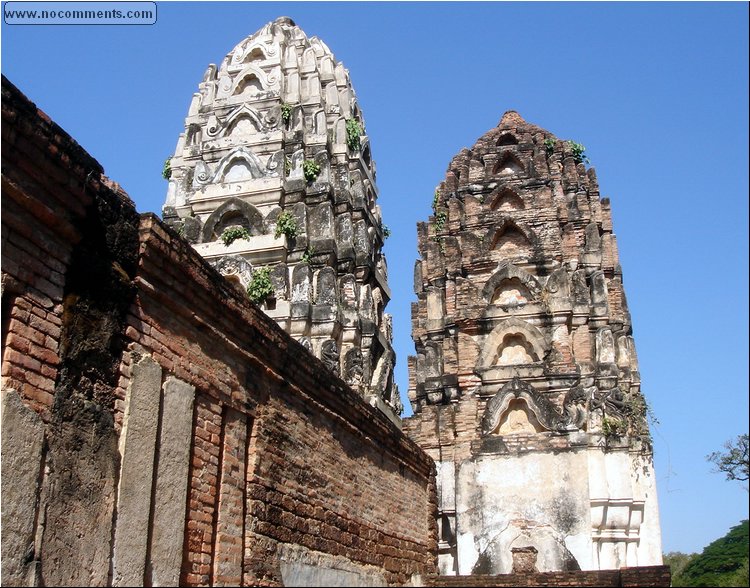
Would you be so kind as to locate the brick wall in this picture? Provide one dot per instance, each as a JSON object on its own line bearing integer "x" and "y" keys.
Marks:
{"x": 170, "y": 431}
{"x": 642, "y": 576}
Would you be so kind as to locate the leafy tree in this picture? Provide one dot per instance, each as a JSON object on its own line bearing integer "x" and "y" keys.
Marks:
{"x": 734, "y": 461}
{"x": 678, "y": 561}
{"x": 722, "y": 563}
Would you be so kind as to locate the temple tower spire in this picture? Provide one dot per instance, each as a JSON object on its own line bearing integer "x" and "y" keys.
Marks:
{"x": 525, "y": 383}
{"x": 274, "y": 184}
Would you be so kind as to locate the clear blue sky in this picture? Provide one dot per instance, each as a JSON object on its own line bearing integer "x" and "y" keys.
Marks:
{"x": 658, "y": 94}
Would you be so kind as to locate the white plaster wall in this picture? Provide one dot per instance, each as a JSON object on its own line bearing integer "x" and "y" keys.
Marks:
{"x": 536, "y": 499}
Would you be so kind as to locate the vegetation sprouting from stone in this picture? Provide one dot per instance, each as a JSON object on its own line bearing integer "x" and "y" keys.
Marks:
{"x": 286, "y": 224}
{"x": 231, "y": 234}
{"x": 441, "y": 218}
{"x": 353, "y": 134}
{"x": 578, "y": 152}
{"x": 386, "y": 231}
{"x": 549, "y": 145}
{"x": 260, "y": 286}
{"x": 311, "y": 170}
{"x": 286, "y": 112}
{"x": 308, "y": 254}
{"x": 166, "y": 171}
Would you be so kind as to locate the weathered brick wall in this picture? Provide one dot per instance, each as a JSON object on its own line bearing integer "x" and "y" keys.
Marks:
{"x": 169, "y": 430}
{"x": 642, "y": 576}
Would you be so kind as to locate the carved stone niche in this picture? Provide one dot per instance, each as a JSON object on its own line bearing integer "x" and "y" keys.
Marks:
{"x": 519, "y": 408}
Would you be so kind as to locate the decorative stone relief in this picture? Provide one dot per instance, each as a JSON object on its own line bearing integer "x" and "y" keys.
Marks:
{"x": 573, "y": 416}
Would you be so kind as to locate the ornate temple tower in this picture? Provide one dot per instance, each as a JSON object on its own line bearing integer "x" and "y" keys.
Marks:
{"x": 273, "y": 183}
{"x": 525, "y": 386}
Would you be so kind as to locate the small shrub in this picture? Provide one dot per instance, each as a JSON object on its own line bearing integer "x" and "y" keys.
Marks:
{"x": 231, "y": 234}
{"x": 311, "y": 170}
{"x": 166, "y": 171}
{"x": 308, "y": 254}
{"x": 286, "y": 112}
{"x": 353, "y": 134}
{"x": 286, "y": 224}
{"x": 578, "y": 152}
{"x": 260, "y": 286}
{"x": 386, "y": 231}
{"x": 549, "y": 145}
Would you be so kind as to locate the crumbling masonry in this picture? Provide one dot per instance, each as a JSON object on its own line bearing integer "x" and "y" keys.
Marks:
{"x": 525, "y": 385}
{"x": 275, "y": 150}
{"x": 159, "y": 428}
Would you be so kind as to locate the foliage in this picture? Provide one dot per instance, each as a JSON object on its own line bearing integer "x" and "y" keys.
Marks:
{"x": 310, "y": 169}
{"x": 166, "y": 171}
{"x": 287, "y": 166}
{"x": 734, "y": 461}
{"x": 231, "y": 234}
{"x": 677, "y": 561}
{"x": 286, "y": 224}
{"x": 549, "y": 145}
{"x": 722, "y": 563}
{"x": 386, "y": 231}
{"x": 353, "y": 133}
{"x": 440, "y": 220}
{"x": 308, "y": 254}
{"x": 260, "y": 286}
{"x": 435, "y": 201}
{"x": 286, "y": 112}
{"x": 578, "y": 152}
{"x": 613, "y": 428}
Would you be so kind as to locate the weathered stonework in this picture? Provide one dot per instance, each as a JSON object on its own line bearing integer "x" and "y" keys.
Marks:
{"x": 525, "y": 386}
{"x": 157, "y": 427}
{"x": 274, "y": 140}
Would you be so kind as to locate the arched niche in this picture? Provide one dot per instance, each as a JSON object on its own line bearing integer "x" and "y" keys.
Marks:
{"x": 507, "y": 272}
{"x": 518, "y": 419}
{"x": 510, "y": 240}
{"x": 515, "y": 349}
{"x": 249, "y": 84}
{"x": 512, "y": 332}
{"x": 256, "y": 54}
{"x": 234, "y": 212}
{"x": 243, "y": 119}
{"x": 507, "y": 200}
{"x": 508, "y": 165}
{"x": 249, "y": 81}
{"x": 520, "y": 408}
{"x": 511, "y": 292}
{"x": 239, "y": 165}
{"x": 506, "y": 139}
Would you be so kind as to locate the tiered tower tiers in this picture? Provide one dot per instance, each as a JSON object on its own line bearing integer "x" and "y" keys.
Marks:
{"x": 274, "y": 144}
{"x": 525, "y": 386}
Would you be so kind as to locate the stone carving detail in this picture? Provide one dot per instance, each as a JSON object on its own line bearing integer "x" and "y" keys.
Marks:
{"x": 519, "y": 293}
{"x": 234, "y": 266}
{"x": 329, "y": 353}
{"x": 572, "y": 417}
{"x": 353, "y": 367}
{"x": 610, "y": 402}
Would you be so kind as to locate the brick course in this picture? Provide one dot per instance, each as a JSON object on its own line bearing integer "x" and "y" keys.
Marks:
{"x": 282, "y": 451}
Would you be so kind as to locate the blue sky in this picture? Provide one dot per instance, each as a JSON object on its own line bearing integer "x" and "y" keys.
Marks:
{"x": 657, "y": 92}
